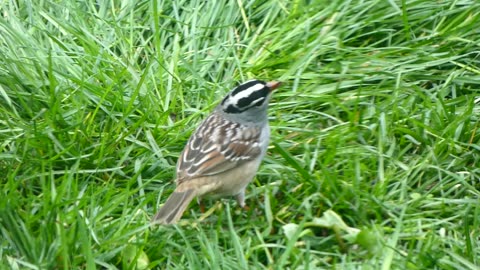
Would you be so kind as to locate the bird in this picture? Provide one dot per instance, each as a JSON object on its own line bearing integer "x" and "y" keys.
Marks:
{"x": 223, "y": 154}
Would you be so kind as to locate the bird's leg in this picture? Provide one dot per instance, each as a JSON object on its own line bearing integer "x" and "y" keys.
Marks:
{"x": 240, "y": 197}
{"x": 201, "y": 204}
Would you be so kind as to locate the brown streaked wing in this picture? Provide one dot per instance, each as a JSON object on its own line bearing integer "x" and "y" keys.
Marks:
{"x": 213, "y": 149}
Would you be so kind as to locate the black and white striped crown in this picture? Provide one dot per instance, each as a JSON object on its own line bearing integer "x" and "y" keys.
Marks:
{"x": 248, "y": 95}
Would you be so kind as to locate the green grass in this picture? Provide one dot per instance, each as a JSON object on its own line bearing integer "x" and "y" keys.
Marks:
{"x": 374, "y": 157}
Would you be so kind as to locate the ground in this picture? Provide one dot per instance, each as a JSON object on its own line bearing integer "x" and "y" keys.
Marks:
{"x": 373, "y": 161}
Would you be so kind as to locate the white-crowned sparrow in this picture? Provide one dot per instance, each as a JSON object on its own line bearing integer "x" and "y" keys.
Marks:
{"x": 224, "y": 153}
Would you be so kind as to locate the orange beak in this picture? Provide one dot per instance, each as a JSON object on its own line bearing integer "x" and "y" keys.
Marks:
{"x": 273, "y": 85}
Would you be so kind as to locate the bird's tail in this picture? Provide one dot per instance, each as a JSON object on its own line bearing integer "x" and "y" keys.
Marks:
{"x": 174, "y": 207}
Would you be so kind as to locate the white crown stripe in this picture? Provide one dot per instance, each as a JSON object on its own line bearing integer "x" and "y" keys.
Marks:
{"x": 247, "y": 92}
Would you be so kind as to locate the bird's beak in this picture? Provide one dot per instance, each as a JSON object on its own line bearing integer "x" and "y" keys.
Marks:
{"x": 273, "y": 85}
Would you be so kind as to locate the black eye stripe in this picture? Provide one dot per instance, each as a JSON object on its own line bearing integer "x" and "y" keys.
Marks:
{"x": 232, "y": 109}
{"x": 247, "y": 101}
{"x": 259, "y": 102}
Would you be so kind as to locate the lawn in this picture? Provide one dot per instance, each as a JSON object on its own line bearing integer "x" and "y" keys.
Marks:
{"x": 374, "y": 159}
